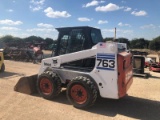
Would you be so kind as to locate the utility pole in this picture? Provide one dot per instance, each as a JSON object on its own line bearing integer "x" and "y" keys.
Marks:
{"x": 115, "y": 34}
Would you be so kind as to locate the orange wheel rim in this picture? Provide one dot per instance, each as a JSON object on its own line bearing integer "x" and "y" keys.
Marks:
{"x": 46, "y": 86}
{"x": 79, "y": 94}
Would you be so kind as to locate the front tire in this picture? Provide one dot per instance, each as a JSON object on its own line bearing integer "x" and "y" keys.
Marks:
{"x": 49, "y": 85}
{"x": 81, "y": 92}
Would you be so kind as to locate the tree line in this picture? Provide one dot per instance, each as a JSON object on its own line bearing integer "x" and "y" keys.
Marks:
{"x": 16, "y": 41}
{"x": 139, "y": 43}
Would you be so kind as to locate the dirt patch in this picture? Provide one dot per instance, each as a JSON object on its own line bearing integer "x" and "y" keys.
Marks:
{"x": 142, "y": 102}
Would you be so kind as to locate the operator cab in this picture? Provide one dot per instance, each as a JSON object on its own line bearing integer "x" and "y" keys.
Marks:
{"x": 73, "y": 39}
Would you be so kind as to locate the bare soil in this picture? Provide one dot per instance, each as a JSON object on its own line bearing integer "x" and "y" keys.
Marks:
{"x": 142, "y": 101}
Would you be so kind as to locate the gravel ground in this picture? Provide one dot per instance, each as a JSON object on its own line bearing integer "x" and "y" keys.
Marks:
{"x": 142, "y": 101}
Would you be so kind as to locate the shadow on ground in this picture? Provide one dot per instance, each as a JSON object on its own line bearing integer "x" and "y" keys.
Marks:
{"x": 146, "y": 76}
{"x": 137, "y": 108}
{"x": 133, "y": 107}
{"x": 9, "y": 74}
{"x": 155, "y": 77}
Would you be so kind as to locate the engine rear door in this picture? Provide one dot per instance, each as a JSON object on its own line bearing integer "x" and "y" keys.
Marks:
{"x": 125, "y": 74}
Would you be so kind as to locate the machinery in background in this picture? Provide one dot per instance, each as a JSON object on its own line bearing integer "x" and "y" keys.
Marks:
{"x": 2, "y": 65}
{"x": 152, "y": 65}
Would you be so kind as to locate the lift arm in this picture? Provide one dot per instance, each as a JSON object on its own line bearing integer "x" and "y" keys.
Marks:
{"x": 55, "y": 62}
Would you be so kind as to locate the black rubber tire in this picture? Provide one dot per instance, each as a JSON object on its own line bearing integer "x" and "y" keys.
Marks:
{"x": 2, "y": 68}
{"x": 53, "y": 80}
{"x": 90, "y": 89}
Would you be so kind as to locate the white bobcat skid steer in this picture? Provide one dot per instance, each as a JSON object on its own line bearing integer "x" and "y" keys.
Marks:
{"x": 85, "y": 66}
{"x": 111, "y": 75}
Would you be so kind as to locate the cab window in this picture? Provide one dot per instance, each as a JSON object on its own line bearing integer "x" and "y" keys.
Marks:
{"x": 72, "y": 41}
{"x": 96, "y": 36}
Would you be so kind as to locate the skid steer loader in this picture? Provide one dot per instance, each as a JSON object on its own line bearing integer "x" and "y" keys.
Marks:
{"x": 2, "y": 66}
{"x": 85, "y": 66}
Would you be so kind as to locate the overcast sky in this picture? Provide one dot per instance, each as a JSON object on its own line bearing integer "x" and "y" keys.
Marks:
{"x": 132, "y": 18}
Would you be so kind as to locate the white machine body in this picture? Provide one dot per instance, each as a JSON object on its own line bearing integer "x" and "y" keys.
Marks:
{"x": 112, "y": 77}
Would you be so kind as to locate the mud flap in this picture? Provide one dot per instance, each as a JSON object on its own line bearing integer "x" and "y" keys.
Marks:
{"x": 27, "y": 85}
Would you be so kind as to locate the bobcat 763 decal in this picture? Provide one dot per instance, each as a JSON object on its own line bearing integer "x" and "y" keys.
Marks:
{"x": 106, "y": 61}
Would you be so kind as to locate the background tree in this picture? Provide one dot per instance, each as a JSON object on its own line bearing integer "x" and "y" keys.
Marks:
{"x": 147, "y": 44}
{"x": 49, "y": 41}
{"x": 124, "y": 40}
{"x": 7, "y": 39}
{"x": 33, "y": 39}
{"x": 108, "y": 39}
{"x": 155, "y": 44}
{"x": 11, "y": 41}
{"x": 140, "y": 43}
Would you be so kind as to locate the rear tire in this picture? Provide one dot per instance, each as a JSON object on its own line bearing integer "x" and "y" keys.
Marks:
{"x": 81, "y": 92}
{"x": 49, "y": 85}
{"x": 2, "y": 68}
